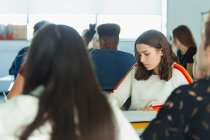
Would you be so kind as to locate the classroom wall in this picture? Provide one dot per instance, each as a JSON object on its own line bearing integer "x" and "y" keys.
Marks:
{"x": 8, "y": 51}
{"x": 187, "y": 12}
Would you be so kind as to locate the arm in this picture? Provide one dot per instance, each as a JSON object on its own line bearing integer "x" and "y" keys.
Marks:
{"x": 123, "y": 90}
{"x": 17, "y": 88}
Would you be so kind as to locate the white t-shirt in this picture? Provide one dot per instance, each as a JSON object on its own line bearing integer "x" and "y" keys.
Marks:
{"x": 149, "y": 92}
{"x": 21, "y": 111}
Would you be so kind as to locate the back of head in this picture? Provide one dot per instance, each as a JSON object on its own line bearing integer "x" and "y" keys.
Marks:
{"x": 50, "y": 48}
{"x": 39, "y": 25}
{"x": 184, "y": 35}
{"x": 89, "y": 33}
{"x": 156, "y": 40}
{"x": 58, "y": 61}
{"x": 109, "y": 33}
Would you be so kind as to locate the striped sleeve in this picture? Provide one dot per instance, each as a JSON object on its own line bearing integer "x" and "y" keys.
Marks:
{"x": 184, "y": 72}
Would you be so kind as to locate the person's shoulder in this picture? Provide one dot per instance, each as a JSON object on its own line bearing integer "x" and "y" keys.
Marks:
{"x": 18, "y": 109}
{"x": 197, "y": 88}
{"x": 22, "y": 103}
{"x": 93, "y": 51}
{"x": 201, "y": 85}
{"x": 96, "y": 52}
{"x": 133, "y": 68}
{"x": 23, "y": 50}
{"x": 125, "y": 53}
{"x": 179, "y": 71}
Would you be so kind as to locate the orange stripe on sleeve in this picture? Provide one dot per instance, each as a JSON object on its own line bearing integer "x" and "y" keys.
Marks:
{"x": 125, "y": 76}
{"x": 184, "y": 72}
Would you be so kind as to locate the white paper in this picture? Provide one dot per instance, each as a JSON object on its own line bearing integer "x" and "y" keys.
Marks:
{"x": 140, "y": 116}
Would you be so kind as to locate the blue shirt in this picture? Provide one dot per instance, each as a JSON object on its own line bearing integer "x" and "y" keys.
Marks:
{"x": 111, "y": 66}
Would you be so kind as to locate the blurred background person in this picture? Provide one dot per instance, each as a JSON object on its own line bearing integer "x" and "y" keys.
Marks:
{"x": 17, "y": 87}
{"x": 183, "y": 40}
{"x": 90, "y": 37}
{"x": 19, "y": 59}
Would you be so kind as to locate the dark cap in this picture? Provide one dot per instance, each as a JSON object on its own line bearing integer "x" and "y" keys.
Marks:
{"x": 108, "y": 29}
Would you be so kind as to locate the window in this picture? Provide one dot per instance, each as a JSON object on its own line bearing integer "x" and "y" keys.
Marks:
{"x": 132, "y": 25}
{"x": 17, "y": 19}
{"x": 78, "y": 22}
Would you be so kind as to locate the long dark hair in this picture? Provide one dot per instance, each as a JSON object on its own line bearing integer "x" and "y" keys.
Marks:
{"x": 207, "y": 32}
{"x": 156, "y": 40}
{"x": 71, "y": 100}
{"x": 184, "y": 35}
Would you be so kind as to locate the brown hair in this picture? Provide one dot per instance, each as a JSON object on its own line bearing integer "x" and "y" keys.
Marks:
{"x": 207, "y": 32}
{"x": 71, "y": 100}
{"x": 184, "y": 35}
{"x": 156, "y": 40}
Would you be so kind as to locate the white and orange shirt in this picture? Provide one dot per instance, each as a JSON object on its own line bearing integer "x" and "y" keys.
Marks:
{"x": 151, "y": 92}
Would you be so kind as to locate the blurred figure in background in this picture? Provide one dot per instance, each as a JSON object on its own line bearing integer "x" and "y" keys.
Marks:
{"x": 197, "y": 73}
{"x": 17, "y": 87}
{"x": 183, "y": 40}
{"x": 19, "y": 59}
{"x": 90, "y": 37}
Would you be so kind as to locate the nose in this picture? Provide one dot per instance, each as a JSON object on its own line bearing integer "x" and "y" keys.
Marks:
{"x": 142, "y": 59}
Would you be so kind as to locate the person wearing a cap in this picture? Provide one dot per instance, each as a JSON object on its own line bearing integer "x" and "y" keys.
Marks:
{"x": 110, "y": 63}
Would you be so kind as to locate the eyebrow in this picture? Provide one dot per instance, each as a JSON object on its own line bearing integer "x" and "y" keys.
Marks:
{"x": 144, "y": 51}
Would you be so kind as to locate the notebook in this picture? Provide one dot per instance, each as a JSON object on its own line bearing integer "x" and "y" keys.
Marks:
{"x": 140, "y": 116}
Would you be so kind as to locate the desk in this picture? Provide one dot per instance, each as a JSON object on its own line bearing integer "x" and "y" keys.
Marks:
{"x": 140, "y": 119}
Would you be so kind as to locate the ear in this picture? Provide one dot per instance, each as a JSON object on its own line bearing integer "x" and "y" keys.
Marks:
{"x": 208, "y": 52}
{"x": 102, "y": 41}
{"x": 160, "y": 52}
{"x": 177, "y": 42}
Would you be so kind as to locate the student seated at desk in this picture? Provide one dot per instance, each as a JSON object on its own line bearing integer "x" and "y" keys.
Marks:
{"x": 183, "y": 40}
{"x": 151, "y": 81}
{"x": 61, "y": 98}
{"x": 186, "y": 113}
{"x": 20, "y": 58}
{"x": 18, "y": 65}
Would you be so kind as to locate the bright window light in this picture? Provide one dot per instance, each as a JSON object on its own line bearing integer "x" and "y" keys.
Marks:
{"x": 16, "y": 19}
{"x": 78, "y": 22}
{"x": 132, "y": 25}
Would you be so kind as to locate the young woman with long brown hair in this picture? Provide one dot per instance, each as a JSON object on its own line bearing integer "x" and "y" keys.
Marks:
{"x": 61, "y": 99}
